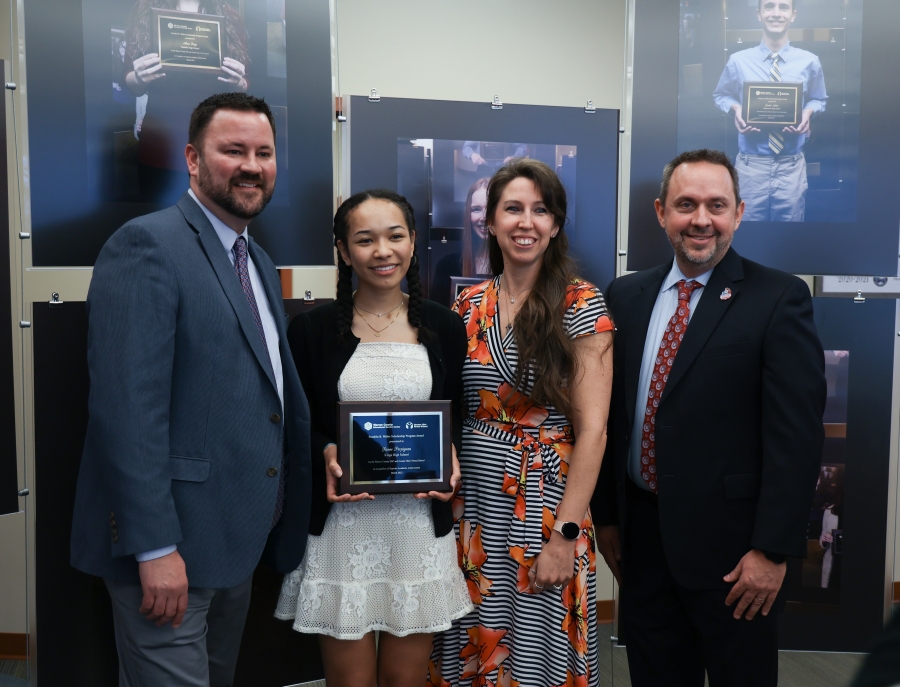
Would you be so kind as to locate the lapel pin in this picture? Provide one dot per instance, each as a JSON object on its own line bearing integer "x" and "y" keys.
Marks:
{"x": 725, "y": 295}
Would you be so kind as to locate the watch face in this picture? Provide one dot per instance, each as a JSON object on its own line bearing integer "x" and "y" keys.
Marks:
{"x": 570, "y": 530}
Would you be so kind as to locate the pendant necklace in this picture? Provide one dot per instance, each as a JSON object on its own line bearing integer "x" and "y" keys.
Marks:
{"x": 379, "y": 314}
{"x": 512, "y": 300}
{"x": 378, "y": 331}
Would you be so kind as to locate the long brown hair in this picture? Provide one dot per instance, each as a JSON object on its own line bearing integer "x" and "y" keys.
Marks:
{"x": 546, "y": 355}
{"x": 468, "y": 256}
{"x": 137, "y": 37}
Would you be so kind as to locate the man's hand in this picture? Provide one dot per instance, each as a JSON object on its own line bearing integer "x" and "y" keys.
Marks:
{"x": 758, "y": 581}
{"x": 165, "y": 584}
{"x": 803, "y": 126}
{"x": 739, "y": 122}
{"x": 333, "y": 473}
{"x": 608, "y": 545}
{"x": 477, "y": 159}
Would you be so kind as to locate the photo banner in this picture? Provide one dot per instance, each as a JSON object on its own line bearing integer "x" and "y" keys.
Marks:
{"x": 439, "y": 153}
{"x": 107, "y": 132}
{"x": 818, "y": 185}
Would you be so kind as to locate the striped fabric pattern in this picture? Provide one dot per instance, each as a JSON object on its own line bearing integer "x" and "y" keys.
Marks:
{"x": 514, "y": 462}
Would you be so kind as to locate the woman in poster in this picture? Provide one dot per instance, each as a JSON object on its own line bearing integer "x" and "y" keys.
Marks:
{"x": 173, "y": 96}
{"x": 537, "y": 377}
{"x": 831, "y": 521}
{"x": 384, "y": 563}
{"x": 473, "y": 259}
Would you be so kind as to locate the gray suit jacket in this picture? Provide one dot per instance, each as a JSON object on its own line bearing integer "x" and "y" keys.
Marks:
{"x": 185, "y": 422}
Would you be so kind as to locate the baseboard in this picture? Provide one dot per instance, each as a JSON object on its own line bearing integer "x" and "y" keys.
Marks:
{"x": 13, "y": 646}
{"x": 606, "y": 611}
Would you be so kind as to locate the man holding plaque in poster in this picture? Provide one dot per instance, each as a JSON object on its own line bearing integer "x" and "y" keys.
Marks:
{"x": 177, "y": 53}
{"x": 773, "y": 122}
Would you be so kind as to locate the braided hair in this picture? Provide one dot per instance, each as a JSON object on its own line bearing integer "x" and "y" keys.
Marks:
{"x": 345, "y": 272}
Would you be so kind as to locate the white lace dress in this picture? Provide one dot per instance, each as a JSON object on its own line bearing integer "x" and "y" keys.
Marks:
{"x": 377, "y": 564}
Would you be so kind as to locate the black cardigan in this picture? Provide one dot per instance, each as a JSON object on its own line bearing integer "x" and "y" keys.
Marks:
{"x": 321, "y": 355}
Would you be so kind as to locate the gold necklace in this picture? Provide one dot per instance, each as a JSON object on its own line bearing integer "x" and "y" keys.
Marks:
{"x": 377, "y": 331}
{"x": 512, "y": 300}
{"x": 380, "y": 314}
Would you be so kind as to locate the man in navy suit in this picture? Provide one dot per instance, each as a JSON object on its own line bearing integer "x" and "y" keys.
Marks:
{"x": 196, "y": 457}
{"x": 715, "y": 442}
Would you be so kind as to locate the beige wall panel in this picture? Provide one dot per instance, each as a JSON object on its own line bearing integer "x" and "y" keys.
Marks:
{"x": 526, "y": 51}
{"x": 13, "y": 612}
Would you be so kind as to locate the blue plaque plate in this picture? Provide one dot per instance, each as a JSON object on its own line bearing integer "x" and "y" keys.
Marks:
{"x": 395, "y": 446}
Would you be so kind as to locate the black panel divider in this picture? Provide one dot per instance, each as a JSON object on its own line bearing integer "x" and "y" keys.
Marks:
{"x": 76, "y": 645}
{"x": 9, "y": 482}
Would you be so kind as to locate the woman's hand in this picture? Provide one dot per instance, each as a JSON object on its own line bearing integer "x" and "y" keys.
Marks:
{"x": 146, "y": 70}
{"x": 555, "y": 564}
{"x": 234, "y": 74}
{"x": 455, "y": 479}
{"x": 333, "y": 473}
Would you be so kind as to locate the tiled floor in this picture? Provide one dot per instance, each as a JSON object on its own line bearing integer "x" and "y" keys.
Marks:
{"x": 795, "y": 668}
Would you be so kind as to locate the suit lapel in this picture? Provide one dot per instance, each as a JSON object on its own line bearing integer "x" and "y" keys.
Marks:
{"x": 636, "y": 311}
{"x": 710, "y": 309}
{"x": 228, "y": 279}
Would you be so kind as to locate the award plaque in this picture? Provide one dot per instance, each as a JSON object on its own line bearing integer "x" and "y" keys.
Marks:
{"x": 188, "y": 41}
{"x": 394, "y": 447}
{"x": 772, "y": 102}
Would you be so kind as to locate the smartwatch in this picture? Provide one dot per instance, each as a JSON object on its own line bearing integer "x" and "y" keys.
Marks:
{"x": 570, "y": 530}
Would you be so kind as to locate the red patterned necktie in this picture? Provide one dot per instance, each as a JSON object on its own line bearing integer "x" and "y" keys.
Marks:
{"x": 671, "y": 340}
{"x": 243, "y": 273}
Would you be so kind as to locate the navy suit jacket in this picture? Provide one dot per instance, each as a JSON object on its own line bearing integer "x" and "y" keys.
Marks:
{"x": 185, "y": 422}
{"x": 739, "y": 431}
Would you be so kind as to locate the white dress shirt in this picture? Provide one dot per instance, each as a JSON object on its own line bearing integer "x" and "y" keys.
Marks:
{"x": 228, "y": 236}
{"x": 666, "y": 303}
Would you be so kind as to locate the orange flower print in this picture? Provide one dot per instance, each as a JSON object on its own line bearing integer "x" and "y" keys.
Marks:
{"x": 575, "y": 599}
{"x": 481, "y": 319}
{"x": 471, "y": 558}
{"x": 562, "y": 441}
{"x": 578, "y": 293}
{"x": 548, "y": 519}
{"x": 603, "y": 324}
{"x": 517, "y": 485}
{"x": 504, "y": 678}
{"x": 435, "y": 677}
{"x": 483, "y": 655}
{"x": 523, "y": 583}
{"x": 511, "y": 409}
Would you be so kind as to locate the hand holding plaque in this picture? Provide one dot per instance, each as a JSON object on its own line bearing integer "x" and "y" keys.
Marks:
{"x": 188, "y": 41}
{"x": 772, "y": 103}
{"x": 395, "y": 447}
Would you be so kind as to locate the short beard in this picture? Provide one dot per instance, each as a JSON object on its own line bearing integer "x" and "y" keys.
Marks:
{"x": 721, "y": 247}
{"x": 225, "y": 198}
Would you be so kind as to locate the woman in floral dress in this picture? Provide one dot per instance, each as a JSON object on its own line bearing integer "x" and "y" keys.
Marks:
{"x": 531, "y": 450}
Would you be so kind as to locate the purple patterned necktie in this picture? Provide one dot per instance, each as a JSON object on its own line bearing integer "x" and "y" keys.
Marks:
{"x": 243, "y": 273}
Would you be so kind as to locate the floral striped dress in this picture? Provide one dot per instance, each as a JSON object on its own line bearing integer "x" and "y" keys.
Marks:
{"x": 514, "y": 462}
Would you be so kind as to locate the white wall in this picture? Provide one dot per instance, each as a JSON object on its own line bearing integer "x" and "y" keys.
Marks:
{"x": 534, "y": 52}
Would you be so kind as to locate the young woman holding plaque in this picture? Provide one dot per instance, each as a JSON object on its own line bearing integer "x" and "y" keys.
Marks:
{"x": 537, "y": 381}
{"x": 173, "y": 95}
{"x": 385, "y": 563}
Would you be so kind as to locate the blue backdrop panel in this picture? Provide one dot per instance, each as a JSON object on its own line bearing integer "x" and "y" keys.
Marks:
{"x": 86, "y": 171}
{"x": 852, "y": 220}
{"x": 376, "y": 128}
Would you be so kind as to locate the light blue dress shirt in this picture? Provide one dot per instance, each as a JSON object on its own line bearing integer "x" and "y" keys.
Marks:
{"x": 666, "y": 303}
{"x": 754, "y": 64}
{"x": 228, "y": 236}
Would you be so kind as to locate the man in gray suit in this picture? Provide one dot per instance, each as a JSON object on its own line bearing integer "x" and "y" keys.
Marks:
{"x": 196, "y": 457}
